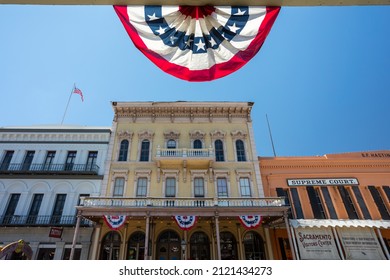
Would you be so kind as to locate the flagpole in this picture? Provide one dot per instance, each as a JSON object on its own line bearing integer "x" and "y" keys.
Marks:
{"x": 270, "y": 135}
{"x": 70, "y": 96}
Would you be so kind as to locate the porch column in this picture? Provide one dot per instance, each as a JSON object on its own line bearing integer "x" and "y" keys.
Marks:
{"x": 268, "y": 243}
{"x": 95, "y": 242}
{"x": 76, "y": 233}
{"x": 123, "y": 249}
{"x": 147, "y": 236}
{"x": 240, "y": 242}
{"x": 383, "y": 243}
{"x": 292, "y": 245}
{"x": 217, "y": 235}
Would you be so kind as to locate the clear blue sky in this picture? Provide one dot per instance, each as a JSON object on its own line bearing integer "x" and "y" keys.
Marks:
{"x": 322, "y": 76}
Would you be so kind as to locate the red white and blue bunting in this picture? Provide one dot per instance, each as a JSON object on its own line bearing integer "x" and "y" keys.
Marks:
{"x": 115, "y": 222}
{"x": 185, "y": 222}
{"x": 250, "y": 222}
{"x": 198, "y": 43}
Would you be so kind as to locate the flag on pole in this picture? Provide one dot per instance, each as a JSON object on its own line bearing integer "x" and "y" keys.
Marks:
{"x": 79, "y": 92}
{"x": 198, "y": 43}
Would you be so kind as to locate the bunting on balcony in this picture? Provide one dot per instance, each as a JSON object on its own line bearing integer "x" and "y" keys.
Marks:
{"x": 250, "y": 222}
{"x": 114, "y": 222}
{"x": 198, "y": 43}
{"x": 185, "y": 222}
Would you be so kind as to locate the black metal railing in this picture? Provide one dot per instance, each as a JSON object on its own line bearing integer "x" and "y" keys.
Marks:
{"x": 41, "y": 220}
{"x": 50, "y": 168}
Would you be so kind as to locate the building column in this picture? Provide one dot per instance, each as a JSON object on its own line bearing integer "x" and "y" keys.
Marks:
{"x": 76, "y": 233}
{"x": 147, "y": 237}
{"x": 268, "y": 243}
{"x": 95, "y": 242}
{"x": 59, "y": 250}
{"x": 218, "y": 238}
{"x": 240, "y": 242}
{"x": 290, "y": 239}
{"x": 122, "y": 254}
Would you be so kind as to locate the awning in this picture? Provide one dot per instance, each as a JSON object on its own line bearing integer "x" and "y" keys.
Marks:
{"x": 339, "y": 223}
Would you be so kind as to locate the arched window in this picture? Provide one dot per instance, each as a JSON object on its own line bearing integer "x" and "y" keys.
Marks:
{"x": 219, "y": 154}
{"x": 228, "y": 246}
{"x": 171, "y": 144}
{"x": 145, "y": 146}
{"x": 123, "y": 150}
{"x": 240, "y": 150}
{"x": 110, "y": 246}
{"x": 254, "y": 246}
{"x": 197, "y": 144}
{"x": 168, "y": 246}
{"x": 199, "y": 246}
{"x": 136, "y": 246}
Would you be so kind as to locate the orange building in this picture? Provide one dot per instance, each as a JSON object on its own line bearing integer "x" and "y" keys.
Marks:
{"x": 340, "y": 205}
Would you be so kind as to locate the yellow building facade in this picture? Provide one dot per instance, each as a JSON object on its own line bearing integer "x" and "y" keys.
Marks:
{"x": 179, "y": 175}
{"x": 340, "y": 205}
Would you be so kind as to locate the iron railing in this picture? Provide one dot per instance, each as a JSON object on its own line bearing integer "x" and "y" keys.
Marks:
{"x": 41, "y": 220}
{"x": 50, "y": 168}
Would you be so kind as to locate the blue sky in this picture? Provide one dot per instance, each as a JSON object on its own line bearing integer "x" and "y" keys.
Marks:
{"x": 322, "y": 76}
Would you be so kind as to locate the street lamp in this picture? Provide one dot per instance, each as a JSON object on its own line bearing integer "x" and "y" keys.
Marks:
{"x": 183, "y": 248}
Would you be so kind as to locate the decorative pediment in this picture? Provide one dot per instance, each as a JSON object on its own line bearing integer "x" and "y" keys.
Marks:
{"x": 125, "y": 134}
{"x": 172, "y": 135}
{"x": 197, "y": 134}
{"x": 145, "y": 134}
{"x": 217, "y": 134}
{"x": 238, "y": 134}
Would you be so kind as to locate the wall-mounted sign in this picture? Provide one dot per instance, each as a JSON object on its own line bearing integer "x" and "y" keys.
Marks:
{"x": 316, "y": 244}
{"x": 323, "y": 182}
{"x": 55, "y": 232}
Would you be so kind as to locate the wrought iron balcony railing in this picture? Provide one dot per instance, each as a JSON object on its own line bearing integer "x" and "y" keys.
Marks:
{"x": 181, "y": 202}
{"x": 41, "y": 220}
{"x": 50, "y": 168}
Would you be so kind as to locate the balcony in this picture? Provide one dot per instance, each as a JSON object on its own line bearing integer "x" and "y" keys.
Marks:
{"x": 64, "y": 169}
{"x": 177, "y": 203}
{"x": 198, "y": 157}
{"x": 41, "y": 220}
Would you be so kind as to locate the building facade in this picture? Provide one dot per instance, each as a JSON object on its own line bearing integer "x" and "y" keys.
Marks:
{"x": 179, "y": 175}
{"x": 43, "y": 172}
{"x": 340, "y": 205}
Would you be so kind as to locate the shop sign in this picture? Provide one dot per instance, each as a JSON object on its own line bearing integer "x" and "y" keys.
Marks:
{"x": 322, "y": 182}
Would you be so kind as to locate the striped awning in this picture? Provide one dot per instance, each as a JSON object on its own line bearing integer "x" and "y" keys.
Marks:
{"x": 339, "y": 223}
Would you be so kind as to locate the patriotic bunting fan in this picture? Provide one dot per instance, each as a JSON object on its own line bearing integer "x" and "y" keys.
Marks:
{"x": 185, "y": 222}
{"x": 198, "y": 43}
{"x": 250, "y": 222}
{"x": 115, "y": 222}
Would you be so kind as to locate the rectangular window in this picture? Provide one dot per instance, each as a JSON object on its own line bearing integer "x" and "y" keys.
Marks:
{"x": 34, "y": 209}
{"x": 362, "y": 204}
{"x": 348, "y": 203}
{"x": 58, "y": 208}
{"x": 49, "y": 160}
{"x": 70, "y": 159}
{"x": 245, "y": 187}
{"x": 6, "y": 160}
{"x": 222, "y": 187}
{"x": 28, "y": 160}
{"x": 11, "y": 207}
{"x": 284, "y": 193}
{"x": 91, "y": 160}
{"x": 145, "y": 146}
{"x": 329, "y": 202}
{"x": 199, "y": 187}
{"x": 316, "y": 203}
{"x": 119, "y": 187}
{"x": 296, "y": 203}
{"x": 379, "y": 203}
{"x": 142, "y": 185}
{"x": 387, "y": 191}
{"x": 170, "y": 187}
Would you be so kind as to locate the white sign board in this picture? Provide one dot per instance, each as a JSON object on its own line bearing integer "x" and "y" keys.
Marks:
{"x": 360, "y": 244}
{"x": 323, "y": 182}
{"x": 316, "y": 244}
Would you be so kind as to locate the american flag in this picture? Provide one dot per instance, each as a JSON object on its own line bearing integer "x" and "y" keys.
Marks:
{"x": 198, "y": 43}
{"x": 78, "y": 91}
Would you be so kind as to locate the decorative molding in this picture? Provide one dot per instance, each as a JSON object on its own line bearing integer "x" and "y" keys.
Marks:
{"x": 217, "y": 134}
{"x": 124, "y": 134}
{"x": 146, "y": 135}
{"x": 197, "y": 135}
{"x": 238, "y": 134}
{"x": 174, "y": 135}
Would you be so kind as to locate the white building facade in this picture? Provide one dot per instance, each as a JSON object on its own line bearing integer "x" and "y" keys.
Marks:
{"x": 44, "y": 171}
